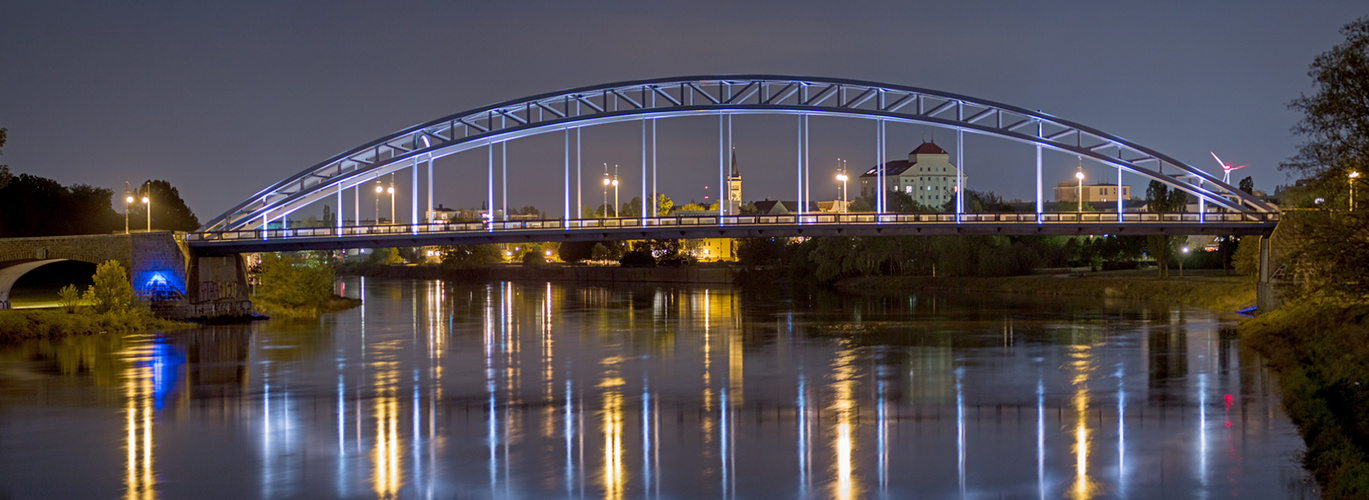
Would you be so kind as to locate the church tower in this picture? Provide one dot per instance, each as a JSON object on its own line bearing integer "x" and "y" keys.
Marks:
{"x": 734, "y": 187}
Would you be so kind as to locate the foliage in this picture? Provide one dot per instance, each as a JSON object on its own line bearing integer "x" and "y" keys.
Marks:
{"x": 36, "y": 206}
{"x": 22, "y": 325}
{"x": 384, "y": 257}
{"x": 760, "y": 251}
{"x": 470, "y": 256}
{"x": 68, "y": 298}
{"x": 1334, "y": 121}
{"x": 1248, "y": 185}
{"x": 638, "y": 257}
{"x": 112, "y": 290}
{"x": 290, "y": 282}
{"x": 600, "y": 252}
{"x": 168, "y": 209}
{"x": 534, "y": 258}
{"x": 663, "y": 205}
{"x": 5, "y": 176}
{"x": 1330, "y": 254}
{"x": 575, "y": 251}
{"x": 1318, "y": 348}
{"x": 1161, "y": 199}
{"x": 1246, "y": 261}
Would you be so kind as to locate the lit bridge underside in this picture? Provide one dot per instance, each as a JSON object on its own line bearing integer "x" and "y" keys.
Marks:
{"x": 864, "y": 224}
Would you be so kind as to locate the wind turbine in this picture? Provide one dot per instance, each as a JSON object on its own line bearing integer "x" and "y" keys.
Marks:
{"x": 1226, "y": 169}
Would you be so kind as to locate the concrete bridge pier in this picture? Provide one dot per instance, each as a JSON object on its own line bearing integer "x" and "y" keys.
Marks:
{"x": 1265, "y": 297}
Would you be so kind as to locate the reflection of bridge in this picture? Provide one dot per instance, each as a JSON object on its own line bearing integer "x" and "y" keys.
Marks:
{"x": 256, "y": 240}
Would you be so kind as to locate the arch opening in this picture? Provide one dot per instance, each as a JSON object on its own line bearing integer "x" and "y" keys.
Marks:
{"x": 36, "y": 283}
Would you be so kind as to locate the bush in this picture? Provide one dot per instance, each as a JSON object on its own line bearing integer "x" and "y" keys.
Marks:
{"x": 288, "y": 282}
{"x": 69, "y": 297}
{"x": 112, "y": 291}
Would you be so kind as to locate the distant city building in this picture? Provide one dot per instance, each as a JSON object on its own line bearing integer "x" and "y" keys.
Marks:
{"x": 927, "y": 175}
{"x": 1093, "y": 193}
{"x": 779, "y": 207}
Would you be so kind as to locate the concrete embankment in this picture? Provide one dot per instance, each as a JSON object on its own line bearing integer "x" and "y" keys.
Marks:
{"x": 1218, "y": 293}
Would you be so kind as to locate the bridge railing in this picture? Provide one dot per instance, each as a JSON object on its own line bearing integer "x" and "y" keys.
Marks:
{"x": 820, "y": 219}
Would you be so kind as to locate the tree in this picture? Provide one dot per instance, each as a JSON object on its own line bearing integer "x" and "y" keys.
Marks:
{"x": 168, "y": 209}
{"x": 663, "y": 205}
{"x": 1334, "y": 121}
{"x": 1248, "y": 185}
{"x": 470, "y": 256}
{"x": 601, "y": 252}
{"x": 290, "y": 282}
{"x": 1159, "y": 198}
{"x": 575, "y": 251}
{"x": 112, "y": 291}
{"x": 5, "y": 176}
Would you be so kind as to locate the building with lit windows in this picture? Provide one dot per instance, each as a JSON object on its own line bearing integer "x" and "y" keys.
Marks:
{"x": 927, "y": 175}
{"x": 1093, "y": 193}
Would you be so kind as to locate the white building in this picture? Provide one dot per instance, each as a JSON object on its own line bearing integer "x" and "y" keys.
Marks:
{"x": 927, "y": 175}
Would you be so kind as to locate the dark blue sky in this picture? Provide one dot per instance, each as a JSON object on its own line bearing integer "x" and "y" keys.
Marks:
{"x": 223, "y": 99}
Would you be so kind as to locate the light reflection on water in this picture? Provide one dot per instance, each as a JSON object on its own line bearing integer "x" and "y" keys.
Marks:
{"x": 544, "y": 390}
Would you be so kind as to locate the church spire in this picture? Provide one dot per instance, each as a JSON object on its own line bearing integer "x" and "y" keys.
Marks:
{"x": 736, "y": 172}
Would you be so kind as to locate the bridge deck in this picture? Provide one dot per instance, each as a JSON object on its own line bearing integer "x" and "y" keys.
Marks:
{"x": 866, "y": 224}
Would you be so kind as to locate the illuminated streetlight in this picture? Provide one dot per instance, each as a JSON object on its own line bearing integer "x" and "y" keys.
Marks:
{"x": 1182, "y": 255}
{"x": 1080, "y": 175}
{"x": 379, "y": 190}
{"x": 615, "y": 190}
{"x": 1353, "y": 176}
{"x": 147, "y": 202}
{"x": 841, "y": 177}
{"x": 391, "y": 190}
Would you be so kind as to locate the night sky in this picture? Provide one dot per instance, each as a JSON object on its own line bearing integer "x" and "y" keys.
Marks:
{"x": 222, "y": 99}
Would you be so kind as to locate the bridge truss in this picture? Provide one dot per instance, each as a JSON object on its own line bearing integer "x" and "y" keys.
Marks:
{"x": 648, "y": 100}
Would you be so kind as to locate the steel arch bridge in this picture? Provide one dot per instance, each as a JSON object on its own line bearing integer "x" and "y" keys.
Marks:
{"x": 721, "y": 96}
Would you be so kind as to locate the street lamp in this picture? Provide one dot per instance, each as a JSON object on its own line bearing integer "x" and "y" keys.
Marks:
{"x": 391, "y": 190}
{"x": 128, "y": 200}
{"x": 607, "y": 182}
{"x": 379, "y": 190}
{"x": 615, "y": 190}
{"x": 1079, "y": 174}
{"x": 147, "y": 202}
{"x": 1353, "y": 176}
{"x": 841, "y": 177}
{"x": 1182, "y": 255}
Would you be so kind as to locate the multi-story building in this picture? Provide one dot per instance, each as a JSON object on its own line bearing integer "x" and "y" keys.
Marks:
{"x": 927, "y": 175}
{"x": 1093, "y": 193}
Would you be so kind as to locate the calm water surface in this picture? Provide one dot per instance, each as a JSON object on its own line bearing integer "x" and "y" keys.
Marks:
{"x": 505, "y": 390}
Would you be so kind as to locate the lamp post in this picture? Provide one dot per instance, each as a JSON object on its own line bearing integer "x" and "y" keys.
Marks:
{"x": 841, "y": 177}
{"x": 379, "y": 191}
{"x": 1353, "y": 176}
{"x": 147, "y": 205}
{"x": 1183, "y": 253}
{"x": 615, "y": 190}
{"x": 1079, "y": 174}
{"x": 128, "y": 200}
{"x": 391, "y": 190}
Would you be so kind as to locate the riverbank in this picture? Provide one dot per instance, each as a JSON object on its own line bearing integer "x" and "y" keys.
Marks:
{"x": 333, "y": 304}
{"x": 26, "y": 324}
{"x": 1320, "y": 352}
{"x": 1205, "y": 290}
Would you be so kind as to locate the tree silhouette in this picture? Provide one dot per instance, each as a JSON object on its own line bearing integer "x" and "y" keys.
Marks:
{"x": 168, "y": 209}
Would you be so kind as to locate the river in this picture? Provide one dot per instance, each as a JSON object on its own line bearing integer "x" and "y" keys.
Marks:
{"x": 537, "y": 390}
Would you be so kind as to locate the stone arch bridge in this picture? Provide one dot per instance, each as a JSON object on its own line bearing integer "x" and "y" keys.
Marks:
{"x": 165, "y": 273}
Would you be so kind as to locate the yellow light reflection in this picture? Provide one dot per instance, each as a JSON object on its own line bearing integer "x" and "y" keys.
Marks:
{"x": 1082, "y": 365}
{"x": 385, "y": 474}
{"x": 615, "y": 482}
{"x": 844, "y": 405}
{"x": 140, "y": 483}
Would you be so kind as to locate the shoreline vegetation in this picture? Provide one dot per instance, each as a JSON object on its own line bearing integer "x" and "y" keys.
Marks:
{"x": 29, "y": 324}
{"x": 296, "y": 288}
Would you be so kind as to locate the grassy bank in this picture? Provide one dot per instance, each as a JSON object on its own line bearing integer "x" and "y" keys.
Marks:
{"x": 20, "y": 325}
{"x": 277, "y": 311}
{"x": 1320, "y": 350}
{"x": 1218, "y": 293}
